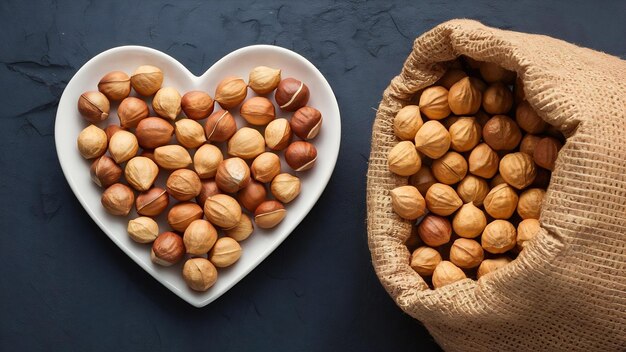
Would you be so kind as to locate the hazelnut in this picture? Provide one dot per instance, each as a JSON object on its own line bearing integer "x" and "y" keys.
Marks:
{"x": 464, "y": 97}
{"x": 518, "y": 170}
{"x": 278, "y": 134}
{"x": 424, "y": 260}
{"x": 247, "y": 143}
{"x": 498, "y": 237}
{"x": 450, "y": 168}
{"x": 183, "y": 184}
{"x": 147, "y": 79}
{"x": 501, "y": 201}
{"x": 199, "y": 274}
{"x": 529, "y": 143}
{"x": 153, "y": 132}
{"x": 189, "y": 133}
{"x": 118, "y": 199}
{"x": 432, "y": 139}
{"x": 442, "y": 199}
{"x": 152, "y": 202}
{"x": 469, "y": 222}
{"x": 141, "y": 172}
{"x": 407, "y": 202}
{"x": 182, "y": 214}
{"x": 497, "y": 99}
{"x": 479, "y": 84}
{"x": 199, "y": 237}
{"x": 220, "y": 126}
{"x": 111, "y": 129}
{"x": 230, "y": 92}
{"x": 529, "y": 204}
{"x": 450, "y": 78}
{"x": 105, "y": 172}
{"x": 472, "y": 189}
{"x": 232, "y": 175}
{"x": 222, "y": 210}
{"x": 528, "y": 120}
{"x": 168, "y": 249}
{"x": 422, "y": 179}
{"x": 143, "y": 229}
{"x": 285, "y": 187}
{"x": 546, "y": 151}
{"x": 434, "y": 230}
{"x": 492, "y": 72}
{"x": 403, "y": 159}
{"x": 92, "y": 142}
{"x": 263, "y": 79}
{"x": 94, "y": 106}
{"x": 258, "y": 111}
{"x": 115, "y": 85}
{"x": 483, "y": 161}
{"x": 242, "y": 230}
{"x": 526, "y": 231}
{"x": 466, "y": 253}
{"x": 172, "y": 157}
{"x": 269, "y": 214}
{"x": 446, "y": 273}
{"x": 131, "y": 111}
{"x": 252, "y": 195}
{"x": 123, "y": 146}
{"x": 166, "y": 103}
{"x": 225, "y": 252}
{"x": 434, "y": 103}
{"x": 301, "y": 156}
{"x": 206, "y": 160}
{"x": 209, "y": 188}
{"x": 501, "y": 133}
{"x": 306, "y": 122}
{"x": 491, "y": 265}
{"x": 265, "y": 167}
{"x": 197, "y": 105}
{"x": 465, "y": 134}
{"x": 407, "y": 122}
{"x": 291, "y": 94}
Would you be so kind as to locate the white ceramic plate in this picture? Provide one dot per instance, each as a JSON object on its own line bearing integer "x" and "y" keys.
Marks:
{"x": 69, "y": 123}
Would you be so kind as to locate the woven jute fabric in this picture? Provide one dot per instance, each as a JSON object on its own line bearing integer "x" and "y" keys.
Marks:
{"x": 567, "y": 290}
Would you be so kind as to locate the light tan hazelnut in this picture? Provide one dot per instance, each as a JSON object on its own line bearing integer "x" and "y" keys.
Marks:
{"x": 422, "y": 179}
{"x": 442, "y": 199}
{"x": 450, "y": 168}
{"x": 464, "y": 97}
{"x": 199, "y": 237}
{"x": 183, "y": 184}
{"x": 501, "y": 201}
{"x": 269, "y": 214}
{"x": 141, "y": 172}
{"x": 118, "y": 199}
{"x": 449, "y": 78}
{"x": 232, "y": 175}
{"x": 446, "y": 273}
{"x": 432, "y": 139}
{"x": 115, "y": 85}
{"x": 518, "y": 169}
{"x": 546, "y": 151}
{"x": 492, "y": 72}
{"x": 147, "y": 80}
{"x": 491, "y": 265}
{"x": 528, "y": 120}
{"x": 131, "y": 111}
{"x": 258, "y": 111}
{"x": 424, "y": 260}
{"x": 263, "y": 79}
{"x": 220, "y": 126}
{"x": 189, "y": 133}
{"x": 182, "y": 214}
{"x": 247, "y": 143}
{"x": 152, "y": 202}
{"x": 466, "y": 253}
{"x": 197, "y": 105}
{"x": 465, "y": 134}
{"x": 230, "y": 92}
{"x": 472, "y": 189}
{"x": 407, "y": 122}
{"x": 123, "y": 146}
{"x": 529, "y": 143}
{"x": 223, "y": 211}
{"x": 153, "y": 132}
{"x": 278, "y": 134}
{"x": 94, "y": 106}
{"x": 285, "y": 187}
{"x": 483, "y": 161}
{"x": 407, "y": 202}
{"x": 166, "y": 103}
{"x": 497, "y": 99}
{"x": 199, "y": 274}
{"x": 242, "y": 230}
{"x": 225, "y": 252}
{"x": 265, "y": 167}
{"x": 403, "y": 159}
{"x": 529, "y": 204}
{"x": 92, "y": 142}
{"x": 526, "y": 231}
{"x": 469, "y": 222}
{"x": 172, "y": 157}
{"x": 434, "y": 103}
{"x": 501, "y": 133}
{"x": 209, "y": 188}
{"x": 252, "y": 195}
{"x": 168, "y": 249}
{"x": 143, "y": 229}
{"x": 291, "y": 94}
{"x": 306, "y": 122}
{"x": 434, "y": 230}
{"x": 498, "y": 237}
{"x": 105, "y": 172}
{"x": 206, "y": 160}
{"x": 301, "y": 156}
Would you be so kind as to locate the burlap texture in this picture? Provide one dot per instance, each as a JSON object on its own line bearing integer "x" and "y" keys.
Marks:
{"x": 567, "y": 290}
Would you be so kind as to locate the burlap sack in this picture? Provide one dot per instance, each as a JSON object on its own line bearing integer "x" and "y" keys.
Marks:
{"x": 567, "y": 290}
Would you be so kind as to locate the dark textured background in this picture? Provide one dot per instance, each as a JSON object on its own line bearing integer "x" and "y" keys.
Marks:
{"x": 66, "y": 286}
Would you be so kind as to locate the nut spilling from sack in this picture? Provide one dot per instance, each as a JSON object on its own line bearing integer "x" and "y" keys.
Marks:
{"x": 479, "y": 160}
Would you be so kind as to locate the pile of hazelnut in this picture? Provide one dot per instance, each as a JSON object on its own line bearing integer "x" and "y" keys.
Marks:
{"x": 479, "y": 159}
{"x": 225, "y": 189}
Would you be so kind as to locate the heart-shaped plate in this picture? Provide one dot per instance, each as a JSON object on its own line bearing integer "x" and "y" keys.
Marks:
{"x": 69, "y": 123}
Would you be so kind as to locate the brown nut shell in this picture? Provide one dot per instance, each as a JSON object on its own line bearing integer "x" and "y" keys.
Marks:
{"x": 92, "y": 142}
{"x": 407, "y": 202}
{"x": 501, "y": 133}
{"x": 230, "y": 92}
{"x": 529, "y": 204}
{"x": 434, "y": 230}
{"x": 285, "y": 187}
{"x": 466, "y": 253}
{"x": 518, "y": 169}
{"x": 252, "y": 195}
{"x": 147, "y": 79}
{"x": 433, "y": 139}
{"x": 472, "y": 189}
{"x": 451, "y": 168}
{"x": 152, "y": 202}
{"x": 434, "y": 103}
{"x": 278, "y": 134}
{"x": 172, "y": 157}
{"x": 300, "y": 155}
{"x": 209, "y": 188}
{"x": 197, "y": 105}
{"x": 442, "y": 199}
{"x": 183, "y": 184}
{"x": 403, "y": 159}
{"x": 422, "y": 179}
{"x": 189, "y": 133}
{"x": 168, "y": 249}
{"x": 528, "y": 119}
{"x": 306, "y": 122}
{"x": 258, "y": 111}
{"x": 222, "y": 210}
{"x": 94, "y": 106}
{"x": 497, "y": 99}
{"x": 247, "y": 143}
{"x": 447, "y": 273}
{"x": 269, "y": 214}
{"x": 291, "y": 94}
{"x": 265, "y": 167}
{"x": 424, "y": 260}
{"x": 199, "y": 274}
{"x": 115, "y": 85}
{"x": 242, "y": 231}
{"x": 225, "y": 252}
{"x": 118, "y": 199}
{"x": 206, "y": 160}
{"x": 199, "y": 237}
{"x": 220, "y": 126}
{"x": 498, "y": 237}
{"x": 501, "y": 201}
{"x": 105, "y": 172}
{"x": 491, "y": 265}
{"x": 483, "y": 161}
{"x": 141, "y": 172}
{"x": 546, "y": 152}
{"x": 232, "y": 175}
{"x": 131, "y": 111}
{"x": 154, "y": 132}
{"x": 464, "y": 97}
{"x": 182, "y": 214}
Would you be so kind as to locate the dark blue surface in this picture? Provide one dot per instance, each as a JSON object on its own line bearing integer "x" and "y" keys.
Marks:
{"x": 66, "y": 286}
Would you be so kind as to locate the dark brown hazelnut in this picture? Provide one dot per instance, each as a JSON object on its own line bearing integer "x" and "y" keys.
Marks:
{"x": 300, "y": 155}
{"x": 220, "y": 126}
{"x": 546, "y": 152}
{"x": 105, "y": 172}
{"x": 110, "y": 131}
{"x": 131, "y": 111}
{"x": 291, "y": 94}
{"x": 209, "y": 188}
{"x": 197, "y": 105}
{"x": 118, "y": 199}
{"x": 154, "y": 132}
{"x": 306, "y": 122}
{"x": 501, "y": 133}
{"x": 182, "y": 214}
{"x": 252, "y": 195}
{"x": 152, "y": 202}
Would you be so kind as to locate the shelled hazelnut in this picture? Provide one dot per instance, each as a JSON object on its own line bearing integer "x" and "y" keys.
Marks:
{"x": 115, "y": 85}
{"x": 183, "y": 214}
{"x": 131, "y": 111}
{"x": 230, "y": 92}
{"x": 446, "y": 273}
{"x": 147, "y": 79}
{"x": 220, "y": 126}
{"x": 167, "y": 249}
{"x": 94, "y": 106}
{"x": 291, "y": 94}
{"x": 407, "y": 202}
{"x": 152, "y": 202}
{"x": 197, "y": 105}
{"x": 407, "y": 122}
{"x": 424, "y": 260}
{"x": 199, "y": 274}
